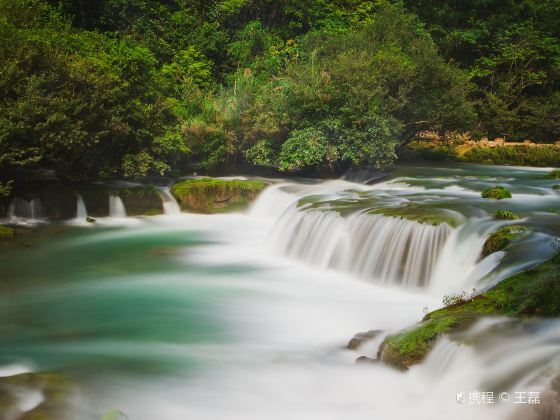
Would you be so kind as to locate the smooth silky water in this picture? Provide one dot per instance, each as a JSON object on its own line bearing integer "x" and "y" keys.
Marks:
{"x": 246, "y": 316}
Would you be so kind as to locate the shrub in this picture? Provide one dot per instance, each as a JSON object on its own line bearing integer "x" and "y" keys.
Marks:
{"x": 505, "y": 215}
{"x": 497, "y": 193}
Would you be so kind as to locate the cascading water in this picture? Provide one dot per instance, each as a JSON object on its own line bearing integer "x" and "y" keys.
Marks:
{"x": 116, "y": 207}
{"x": 386, "y": 249}
{"x": 170, "y": 205}
{"x": 81, "y": 211}
{"x": 20, "y": 209}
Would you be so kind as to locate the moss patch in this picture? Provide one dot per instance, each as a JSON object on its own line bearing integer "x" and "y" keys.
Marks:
{"x": 6, "y": 232}
{"x": 430, "y": 215}
{"x": 505, "y": 215}
{"x": 497, "y": 193}
{"x": 556, "y": 187}
{"x": 210, "y": 195}
{"x": 534, "y": 292}
{"x": 502, "y": 238}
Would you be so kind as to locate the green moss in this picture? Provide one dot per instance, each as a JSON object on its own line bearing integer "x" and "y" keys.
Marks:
{"x": 209, "y": 195}
{"x": 497, "y": 193}
{"x": 556, "y": 187}
{"x": 6, "y": 232}
{"x": 505, "y": 215}
{"x": 554, "y": 174}
{"x": 534, "y": 292}
{"x": 502, "y": 238}
{"x": 431, "y": 215}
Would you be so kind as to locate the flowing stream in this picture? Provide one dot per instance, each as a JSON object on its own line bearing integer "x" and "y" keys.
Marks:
{"x": 246, "y": 316}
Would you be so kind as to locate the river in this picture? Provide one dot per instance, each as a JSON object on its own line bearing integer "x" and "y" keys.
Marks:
{"x": 247, "y": 316}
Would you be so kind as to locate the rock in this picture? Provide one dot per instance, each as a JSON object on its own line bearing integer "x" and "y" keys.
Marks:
{"x": 209, "y": 195}
{"x": 364, "y": 360}
{"x": 90, "y": 219}
{"x": 362, "y": 337}
{"x": 505, "y": 215}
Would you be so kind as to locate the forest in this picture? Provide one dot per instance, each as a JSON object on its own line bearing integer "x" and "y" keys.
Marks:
{"x": 130, "y": 88}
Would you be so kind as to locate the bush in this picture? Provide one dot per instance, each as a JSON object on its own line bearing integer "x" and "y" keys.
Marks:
{"x": 505, "y": 215}
{"x": 497, "y": 193}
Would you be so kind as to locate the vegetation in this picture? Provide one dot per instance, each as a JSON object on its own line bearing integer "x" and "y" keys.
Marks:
{"x": 6, "y": 232}
{"x": 497, "y": 193}
{"x": 422, "y": 214}
{"x": 129, "y": 88}
{"x": 554, "y": 174}
{"x": 505, "y": 215}
{"x": 500, "y": 239}
{"x": 513, "y": 155}
{"x": 208, "y": 195}
{"x": 532, "y": 292}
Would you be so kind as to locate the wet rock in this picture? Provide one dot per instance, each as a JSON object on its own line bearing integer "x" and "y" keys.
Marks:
{"x": 362, "y": 337}
{"x": 364, "y": 360}
{"x": 90, "y": 219}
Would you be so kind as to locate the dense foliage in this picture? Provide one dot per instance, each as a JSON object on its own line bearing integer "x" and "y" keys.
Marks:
{"x": 129, "y": 88}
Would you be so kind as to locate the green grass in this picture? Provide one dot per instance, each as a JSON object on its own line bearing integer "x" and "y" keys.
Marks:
{"x": 496, "y": 193}
{"x": 513, "y": 155}
{"x": 534, "y": 292}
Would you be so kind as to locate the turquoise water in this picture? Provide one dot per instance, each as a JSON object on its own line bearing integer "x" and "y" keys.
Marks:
{"x": 206, "y": 317}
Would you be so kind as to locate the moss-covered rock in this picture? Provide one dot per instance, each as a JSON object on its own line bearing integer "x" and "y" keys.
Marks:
{"x": 57, "y": 390}
{"x": 141, "y": 201}
{"x": 210, "y": 195}
{"x": 496, "y": 193}
{"x": 505, "y": 215}
{"x": 534, "y": 292}
{"x": 501, "y": 238}
{"x": 556, "y": 187}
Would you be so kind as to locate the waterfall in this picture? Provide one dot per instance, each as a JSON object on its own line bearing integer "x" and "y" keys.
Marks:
{"x": 116, "y": 206}
{"x": 170, "y": 205}
{"x": 383, "y": 249}
{"x": 81, "y": 211}
{"x": 23, "y": 209}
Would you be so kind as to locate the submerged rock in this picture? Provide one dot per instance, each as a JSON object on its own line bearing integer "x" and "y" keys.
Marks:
{"x": 361, "y": 338}
{"x": 364, "y": 360}
{"x": 209, "y": 195}
{"x": 56, "y": 390}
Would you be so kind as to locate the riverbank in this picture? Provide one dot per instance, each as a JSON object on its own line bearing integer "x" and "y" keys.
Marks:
{"x": 496, "y": 152}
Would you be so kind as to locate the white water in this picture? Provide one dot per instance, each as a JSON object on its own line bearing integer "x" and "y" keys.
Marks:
{"x": 285, "y": 320}
{"x": 170, "y": 205}
{"x": 22, "y": 210}
{"x": 116, "y": 207}
{"x": 81, "y": 211}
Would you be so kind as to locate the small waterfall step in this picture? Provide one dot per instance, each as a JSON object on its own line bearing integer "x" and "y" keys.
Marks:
{"x": 116, "y": 207}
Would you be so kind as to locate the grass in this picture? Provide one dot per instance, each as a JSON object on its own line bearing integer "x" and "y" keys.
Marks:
{"x": 554, "y": 174}
{"x": 534, "y": 292}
